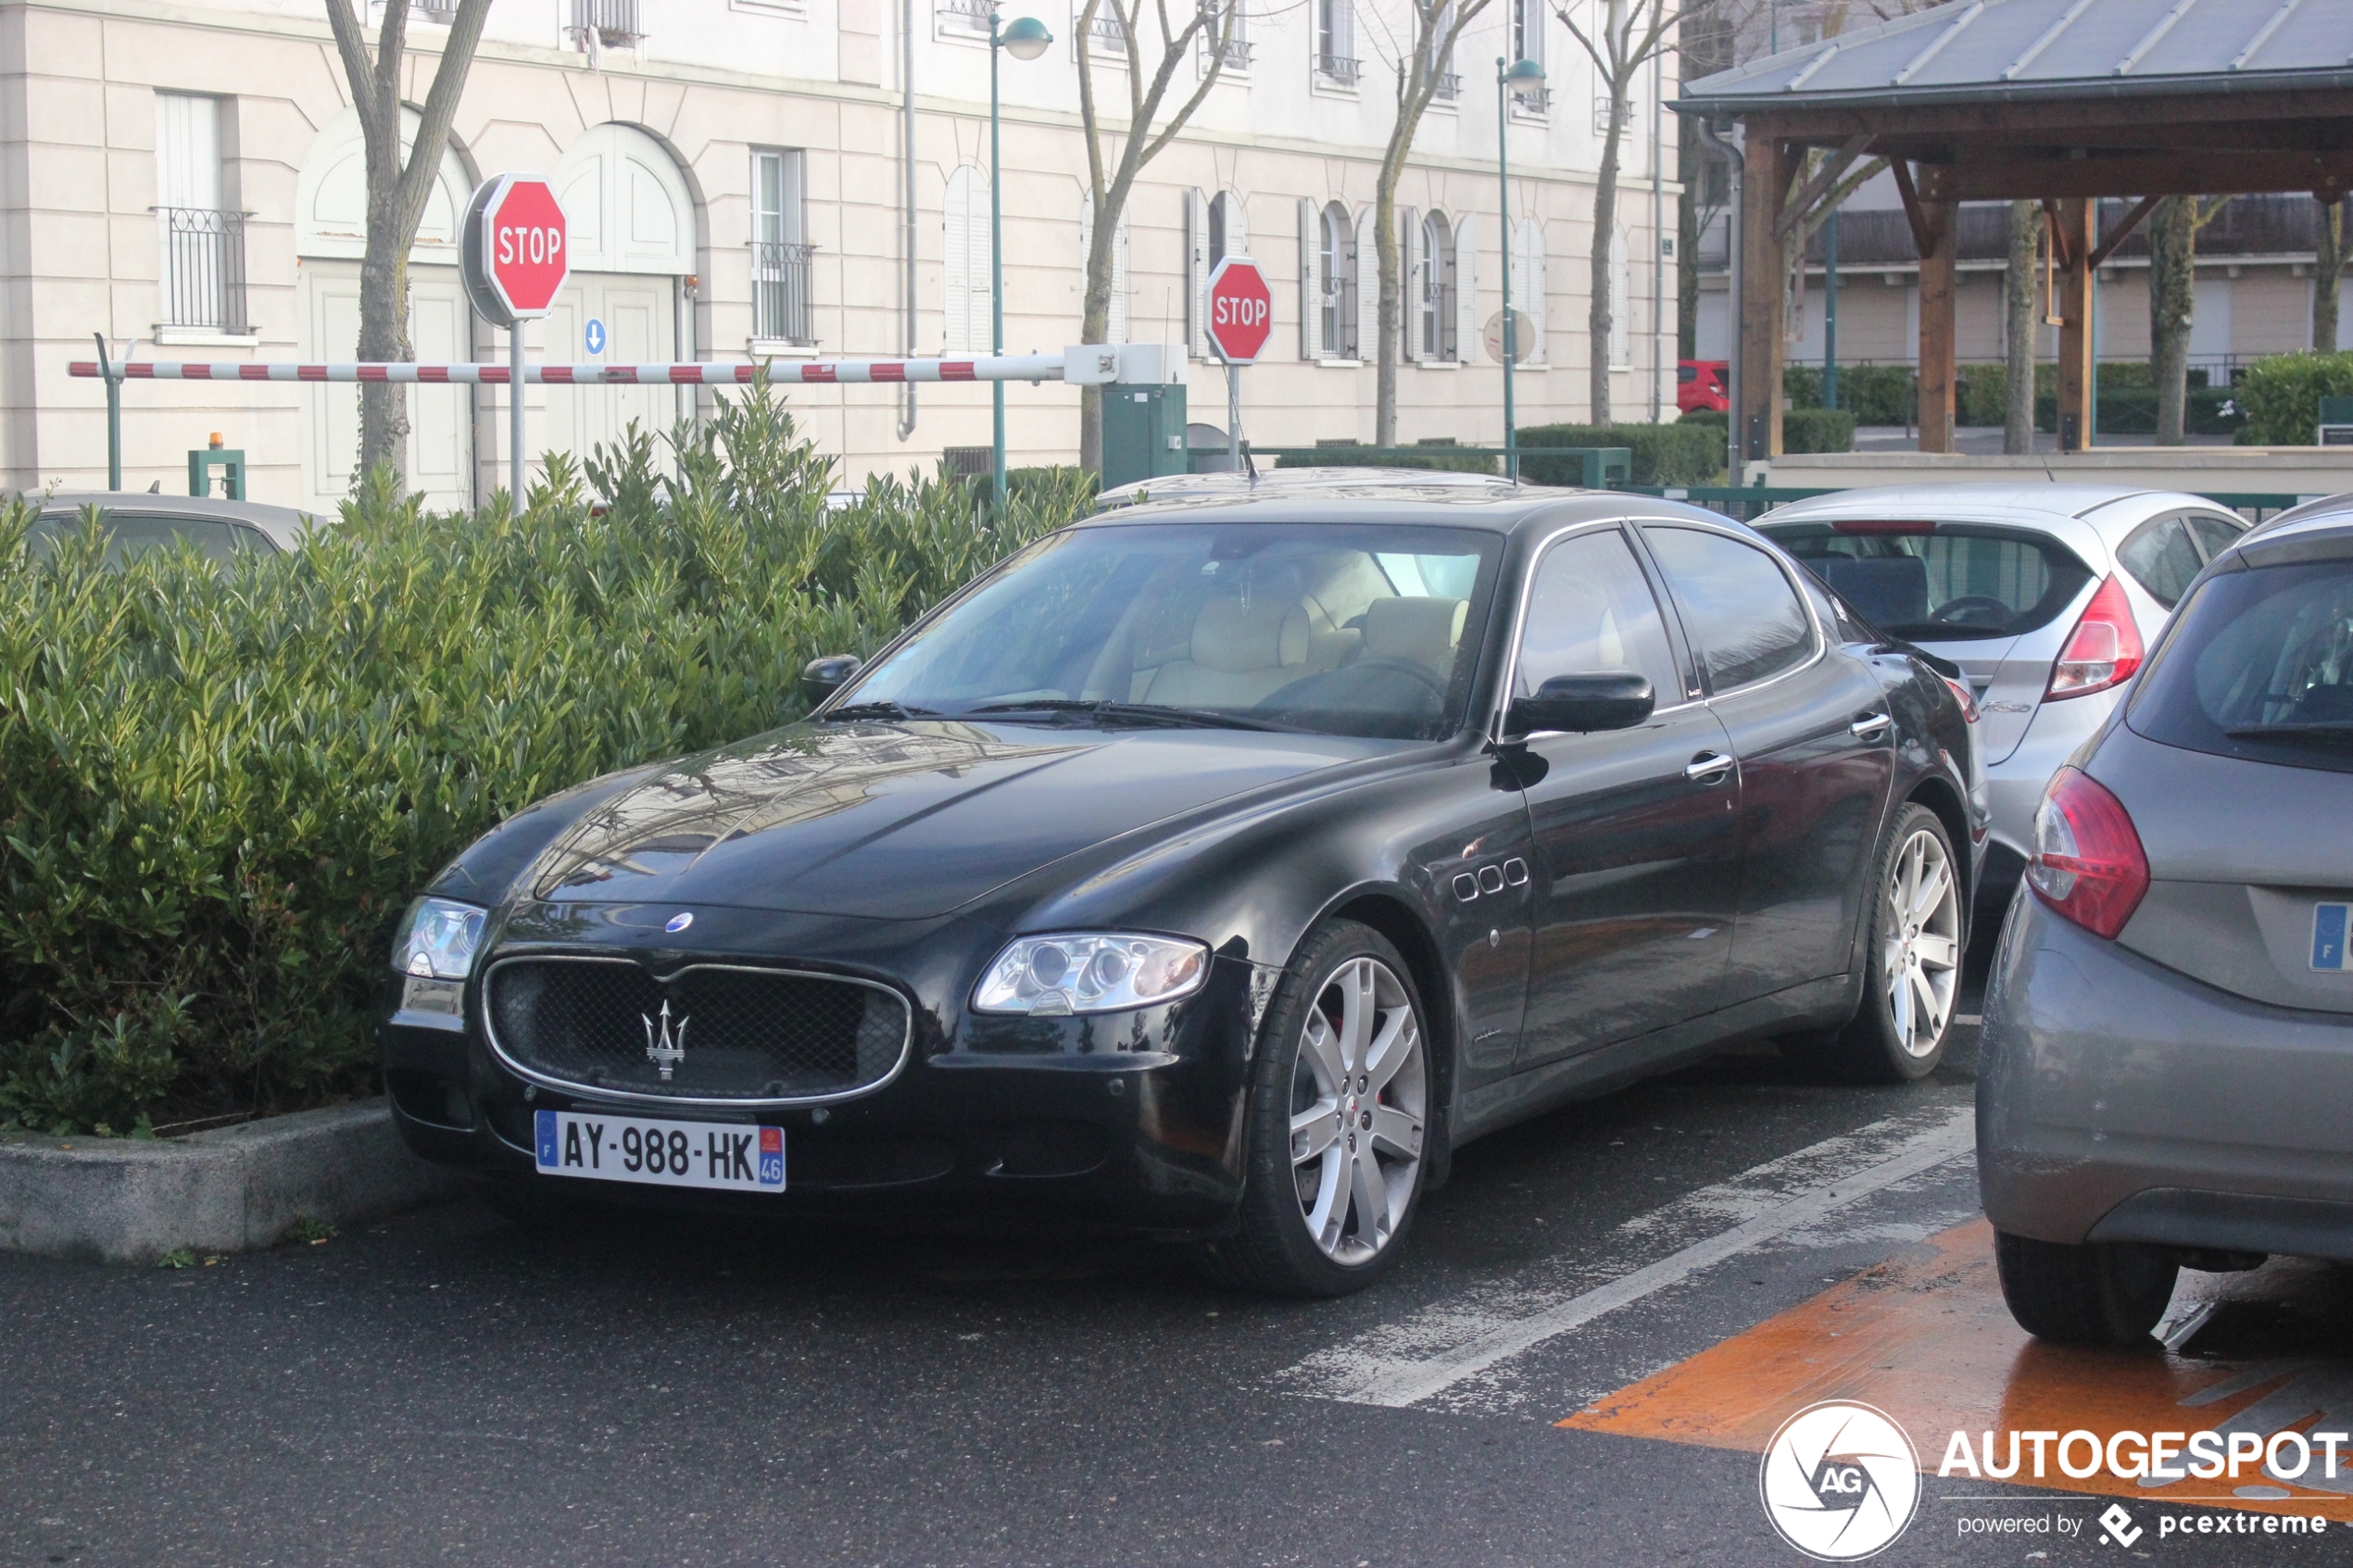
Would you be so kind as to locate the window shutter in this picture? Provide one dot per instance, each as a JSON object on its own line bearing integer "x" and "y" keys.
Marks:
{"x": 1411, "y": 284}
{"x": 1311, "y": 292}
{"x": 1466, "y": 289}
{"x": 1196, "y": 273}
{"x": 980, "y": 311}
{"x": 1368, "y": 342}
{"x": 956, "y": 325}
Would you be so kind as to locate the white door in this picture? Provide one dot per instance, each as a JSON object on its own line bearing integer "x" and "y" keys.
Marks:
{"x": 440, "y": 419}
{"x": 634, "y": 320}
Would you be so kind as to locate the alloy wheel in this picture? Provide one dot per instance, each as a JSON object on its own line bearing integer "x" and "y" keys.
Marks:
{"x": 1920, "y": 942}
{"x": 1359, "y": 1092}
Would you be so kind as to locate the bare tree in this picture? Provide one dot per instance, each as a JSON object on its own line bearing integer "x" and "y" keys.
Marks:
{"x": 1434, "y": 26}
{"x": 2022, "y": 323}
{"x": 1111, "y": 178}
{"x": 2328, "y": 266}
{"x": 397, "y": 194}
{"x": 1629, "y": 34}
{"x": 2173, "y": 228}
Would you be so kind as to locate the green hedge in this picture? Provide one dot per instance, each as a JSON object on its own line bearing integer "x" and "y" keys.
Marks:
{"x": 219, "y": 787}
{"x": 1351, "y": 454}
{"x": 1817, "y": 430}
{"x": 2282, "y": 396}
{"x": 1875, "y": 395}
{"x": 1665, "y": 454}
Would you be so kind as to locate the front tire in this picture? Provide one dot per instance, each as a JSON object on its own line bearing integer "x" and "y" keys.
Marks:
{"x": 1336, "y": 1125}
{"x": 2100, "y": 1293}
{"x": 1911, "y": 963}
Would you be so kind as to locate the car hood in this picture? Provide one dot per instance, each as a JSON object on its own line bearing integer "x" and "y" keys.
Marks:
{"x": 904, "y": 821}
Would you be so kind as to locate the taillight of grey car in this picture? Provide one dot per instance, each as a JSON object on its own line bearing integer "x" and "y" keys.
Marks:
{"x": 2166, "y": 1072}
{"x": 1215, "y": 867}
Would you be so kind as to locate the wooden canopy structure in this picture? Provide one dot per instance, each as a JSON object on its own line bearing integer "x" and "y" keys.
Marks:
{"x": 2057, "y": 101}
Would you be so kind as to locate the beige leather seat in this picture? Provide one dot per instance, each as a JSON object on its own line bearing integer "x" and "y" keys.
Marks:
{"x": 1423, "y": 630}
{"x": 1241, "y": 653}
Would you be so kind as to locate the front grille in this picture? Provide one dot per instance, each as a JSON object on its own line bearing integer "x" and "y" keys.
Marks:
{"x": 737, "y": 1034}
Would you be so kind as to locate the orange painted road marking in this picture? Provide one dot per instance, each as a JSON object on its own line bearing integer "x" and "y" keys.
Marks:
{"x": 1927, "y": 1340}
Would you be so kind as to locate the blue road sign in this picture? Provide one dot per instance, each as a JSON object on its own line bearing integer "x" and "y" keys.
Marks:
{"x": 595, "y": 333}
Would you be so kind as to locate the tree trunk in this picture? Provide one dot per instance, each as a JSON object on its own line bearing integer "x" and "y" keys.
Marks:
{"x": 2021, "y": 302}
{"x": 384, "y": 334}
{"x": 1094, "y": 320}
{"x": 1600, "y": 317}
{"x": 1386, "y": 315}
{"x": 2328, "y": 266}
{"x": 2172, "y": 287}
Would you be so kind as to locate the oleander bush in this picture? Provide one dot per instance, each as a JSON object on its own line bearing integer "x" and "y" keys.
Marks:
{"x": 219, "y": 787}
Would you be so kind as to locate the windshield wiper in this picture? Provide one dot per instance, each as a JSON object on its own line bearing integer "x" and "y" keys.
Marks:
{"x": 858, "y": 710}
{"x": 2327, "y": 731}
{"x": 1102, "y": 708}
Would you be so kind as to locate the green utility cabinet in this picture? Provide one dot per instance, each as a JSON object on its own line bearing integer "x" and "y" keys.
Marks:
{"x": 1143, "y": 431}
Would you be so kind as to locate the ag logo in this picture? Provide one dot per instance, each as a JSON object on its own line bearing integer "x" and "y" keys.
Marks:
{"x": 1840, "y": 1481}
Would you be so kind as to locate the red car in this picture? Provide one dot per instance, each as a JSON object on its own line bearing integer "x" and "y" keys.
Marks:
{"x": 1703, "y": 384}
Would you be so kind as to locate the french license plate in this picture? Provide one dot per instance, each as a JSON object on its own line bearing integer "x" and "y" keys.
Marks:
{"x": 2328, "y": 935}
{"x": 728, "y": 1156}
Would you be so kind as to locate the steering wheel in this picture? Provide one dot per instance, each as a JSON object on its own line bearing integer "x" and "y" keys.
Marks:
{"x": 1410, "y": 667}
{"x": 1958, "y": 612}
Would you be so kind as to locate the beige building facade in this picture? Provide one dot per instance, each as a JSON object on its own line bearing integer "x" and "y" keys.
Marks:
{"x": 186, "y": 179}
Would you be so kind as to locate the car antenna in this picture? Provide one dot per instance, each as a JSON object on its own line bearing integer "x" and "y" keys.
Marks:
{"x": 1249, "y": 465}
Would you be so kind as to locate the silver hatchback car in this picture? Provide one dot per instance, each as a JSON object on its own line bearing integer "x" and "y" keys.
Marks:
{"x": 2166, "y": 1067}
{"x": 2047, "y": 596}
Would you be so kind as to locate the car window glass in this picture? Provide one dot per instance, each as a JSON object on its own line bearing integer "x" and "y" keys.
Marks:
{"x": 2215, "y": 534}
{"x": 1737, "y": 605}
{"x": 2162, "y": 558}
{"x": 2260, "y": 666}
{"x": 1347, "y": 629}
{"x": 132, "y": 534}
{"x": 1933, "y": 581}
{"x": 1589, "y": 611}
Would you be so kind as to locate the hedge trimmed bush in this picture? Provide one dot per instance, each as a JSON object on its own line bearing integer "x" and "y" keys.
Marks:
{"x": 218, "y": 787}
{"x": 1875, "y": 395}
{"x": 2281, "y": 393}
{"x": 1359, "y": 455}
{"x": 1664, "y": 454}
{"x": 1817, "y": 430}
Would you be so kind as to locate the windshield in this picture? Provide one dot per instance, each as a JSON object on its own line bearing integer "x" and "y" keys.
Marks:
{"x": 1344, "y": 629}
{"x": 1960, "y": 583}
{"x": 2260, "y": 667}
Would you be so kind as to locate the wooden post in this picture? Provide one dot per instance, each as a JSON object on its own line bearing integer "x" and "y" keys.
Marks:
{"x": 2075, "y": 235}
{"x": 1942, "y": 220}
{"x": 1764, "y": 289}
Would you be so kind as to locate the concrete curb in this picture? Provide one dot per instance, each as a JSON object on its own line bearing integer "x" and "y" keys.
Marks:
{"x": 131, "y": 1202}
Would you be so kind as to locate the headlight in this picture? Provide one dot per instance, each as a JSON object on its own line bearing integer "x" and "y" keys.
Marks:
{"x": 438, "y": 939}
{"x": 1090, "y": 971}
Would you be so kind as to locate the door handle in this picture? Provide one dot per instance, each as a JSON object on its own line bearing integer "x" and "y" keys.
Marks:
{"x": 1871, "y": 726}
{"x": 1709, "y": 768}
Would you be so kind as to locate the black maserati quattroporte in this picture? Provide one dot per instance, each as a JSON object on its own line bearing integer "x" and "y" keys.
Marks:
{"x": 1215, "y": 867}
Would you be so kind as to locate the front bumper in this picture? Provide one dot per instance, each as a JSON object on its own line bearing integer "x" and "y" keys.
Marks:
{"x": 2120, "y": 1100}
{"x": 1129, "y": 1119}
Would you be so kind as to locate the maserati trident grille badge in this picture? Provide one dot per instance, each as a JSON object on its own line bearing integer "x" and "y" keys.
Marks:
{"x": 663, "y": 1048}
{"x": 678, "y": 923}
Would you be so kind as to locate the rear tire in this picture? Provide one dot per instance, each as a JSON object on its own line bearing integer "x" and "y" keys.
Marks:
{"x": 1911, "y": 963}
{"x": 2100, "y": 1293}
{"x": 1337, "y": 1123}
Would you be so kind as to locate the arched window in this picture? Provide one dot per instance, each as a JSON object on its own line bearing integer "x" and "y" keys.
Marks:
{"x": 1336, "y": 272}
{"x": 1436, "y": 339}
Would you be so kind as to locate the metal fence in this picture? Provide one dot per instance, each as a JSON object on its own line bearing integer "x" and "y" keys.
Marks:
{"x": 1338, "y": 68}
{"x": 615, "y": 22}
{"x": 780, "y": 311}
{"x": 203, "y": 268}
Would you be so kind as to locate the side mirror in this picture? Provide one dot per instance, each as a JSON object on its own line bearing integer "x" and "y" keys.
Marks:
{"x": 820, "y": 678}
{"x": 1616, "y": 700}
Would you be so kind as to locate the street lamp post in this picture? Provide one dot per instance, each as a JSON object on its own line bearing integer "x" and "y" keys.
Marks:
{"x": 1024, "y": 40}
{"x": 1522, "y": 73}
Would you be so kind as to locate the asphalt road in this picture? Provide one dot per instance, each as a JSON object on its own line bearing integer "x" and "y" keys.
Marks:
{"x": 445, "y": 1388}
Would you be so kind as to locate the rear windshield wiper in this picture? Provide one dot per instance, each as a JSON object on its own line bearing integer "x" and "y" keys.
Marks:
{"x": 1134, "y": 713}
{"x": 2326, "y": 732}
{"x": 858, "y": 710}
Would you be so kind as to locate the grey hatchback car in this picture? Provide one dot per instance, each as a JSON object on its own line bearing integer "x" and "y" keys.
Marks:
{"x": 2166, "y": 1076}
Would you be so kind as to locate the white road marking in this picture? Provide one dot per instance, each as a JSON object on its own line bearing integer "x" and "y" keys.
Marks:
{"x": 1449, "y": 1343}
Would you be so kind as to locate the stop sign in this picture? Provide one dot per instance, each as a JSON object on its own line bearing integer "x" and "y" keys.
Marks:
{"x": 516, "y": 248}
{"x": 1242, "y": 310}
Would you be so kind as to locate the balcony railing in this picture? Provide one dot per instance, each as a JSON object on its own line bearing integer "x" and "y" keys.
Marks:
{"x": 1107, "y": 35}
{"x": 1446, "y": 86}
{"x": 203, "y": 268}
{"x": 1336, "y": 69}
{"x": 1532, "y": 100}
{"x": 614, "y": 23}
{"x": 780, "y": 310}
{"x": 1237, "y": 52}
{"x": 967, "y": 16}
